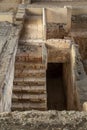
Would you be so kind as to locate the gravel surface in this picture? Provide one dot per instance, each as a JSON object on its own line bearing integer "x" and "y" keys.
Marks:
{"x": 49, "y": 120}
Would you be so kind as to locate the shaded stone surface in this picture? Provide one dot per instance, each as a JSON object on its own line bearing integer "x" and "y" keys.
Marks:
{"x": 49, "y": 120}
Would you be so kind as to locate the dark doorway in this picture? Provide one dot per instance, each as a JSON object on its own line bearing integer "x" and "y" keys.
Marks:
{"x": 56, "y": 99}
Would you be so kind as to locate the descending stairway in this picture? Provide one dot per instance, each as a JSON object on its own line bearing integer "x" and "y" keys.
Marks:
{"x": 29, "y": 90}
{"x": 29, "y": 87}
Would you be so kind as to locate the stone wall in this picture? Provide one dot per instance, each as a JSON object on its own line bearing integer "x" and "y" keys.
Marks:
{"x": 7, "y": 5}
{"x": 80, "y": 77}
{"x": 79, "y": 21}
{"x": 7, "y": 88}
{"x": 49, "y": 120}
{"x": 62, "y": 51}
{"x": 58, "y": 50}
{"x": 81, "y": 40}
{"x": 9, "y": 36}
{"x": 56, "y": 30}
{"x": 73, "y": 102}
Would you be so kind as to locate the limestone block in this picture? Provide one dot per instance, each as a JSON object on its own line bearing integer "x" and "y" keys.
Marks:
{"x": 58, "y": 50}
{"x": 6, "y": 17}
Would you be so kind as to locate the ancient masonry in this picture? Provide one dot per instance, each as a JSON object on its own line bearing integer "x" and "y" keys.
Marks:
{"x": 43, "y": 55}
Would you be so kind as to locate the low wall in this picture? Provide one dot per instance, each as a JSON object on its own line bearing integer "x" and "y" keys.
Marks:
{"x": 49, "y": 120}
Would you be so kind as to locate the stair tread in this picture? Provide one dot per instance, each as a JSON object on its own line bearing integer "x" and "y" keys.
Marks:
{"x": 26, "y": 65}
{"x": 29, "y": 97}
{"x": 25, "y": 96}
{"x": 29, "y": 79}
{"x": 27, "y": 89}
{"x": 28, "y": 106}
{"x": 31, "y": 71}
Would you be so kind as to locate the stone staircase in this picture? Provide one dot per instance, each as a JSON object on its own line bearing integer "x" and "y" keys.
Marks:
{"x": 29, "y": 86}
{"x": 29, "y": 90}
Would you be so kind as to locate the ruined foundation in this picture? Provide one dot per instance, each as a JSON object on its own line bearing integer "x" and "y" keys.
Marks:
{"x": 43, "y": 65}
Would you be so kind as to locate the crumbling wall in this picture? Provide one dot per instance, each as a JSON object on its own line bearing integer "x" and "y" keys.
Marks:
{"x": 8, "y": 85}
{"x": 80, "y": 76}
{"x": 55, "y": 30}
{"x": 49, "y": 120}
{"x": 79, "y": 21}
{"x": 73, "y": 102}
{"x": 79, "y": 32}
{"x": 9, "y": 36}
{"x": 82, "y": 42}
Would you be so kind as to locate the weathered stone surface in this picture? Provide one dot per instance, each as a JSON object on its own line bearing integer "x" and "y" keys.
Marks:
{"x": 33, "y": 28}
{"x": 6, "y": 17}
{"x": 56, "y": 30}
{"x": 50, "y": 120}
{"x": 58, "y": 50}
{"x": 28, "y": 81}
{"x": 7, "y": 59}
{"x": 79, "y": 21}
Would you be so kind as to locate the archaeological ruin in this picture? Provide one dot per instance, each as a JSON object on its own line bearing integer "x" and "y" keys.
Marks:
{"x": 43, "y": 59}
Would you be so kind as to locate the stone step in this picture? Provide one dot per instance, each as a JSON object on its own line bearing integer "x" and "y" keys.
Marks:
{"x": 28, "y": 106}
{"x": 30, "y": 73}
{"x": 29, "y": 89}
{"x": 29, "y": 81}
{"x": 24, "y": 57}
{"x": 29, "y": 53}
{"x": 29, "y": 66}
{"x": 19, "y": 97}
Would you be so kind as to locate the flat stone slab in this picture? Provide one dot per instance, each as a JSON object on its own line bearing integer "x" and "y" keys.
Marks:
{"x": 30, "y": 52}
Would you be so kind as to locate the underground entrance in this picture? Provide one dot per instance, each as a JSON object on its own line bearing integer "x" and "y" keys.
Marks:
{"x": 56, "y": 98}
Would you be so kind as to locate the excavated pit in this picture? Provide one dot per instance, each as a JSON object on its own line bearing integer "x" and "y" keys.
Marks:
{"x": 56, "y": 99}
